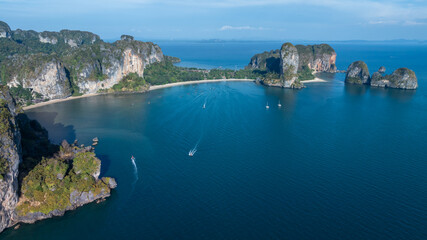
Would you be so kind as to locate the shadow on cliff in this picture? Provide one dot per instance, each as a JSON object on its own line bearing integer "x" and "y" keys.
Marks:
{"x": 36, "y": 139}
{"x": 57, "y": 131}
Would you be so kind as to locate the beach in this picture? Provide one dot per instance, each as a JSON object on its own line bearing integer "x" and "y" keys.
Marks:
{"x": 155, "y": 88}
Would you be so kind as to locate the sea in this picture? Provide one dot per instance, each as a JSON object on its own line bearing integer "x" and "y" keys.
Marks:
{"x": 335, "y": 161}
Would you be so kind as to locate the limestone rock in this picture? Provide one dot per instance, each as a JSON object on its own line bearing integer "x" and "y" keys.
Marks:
{"x": 48, "y": 78}
{"x": 289, "y": 61}
{"x": 10, "y": 157}
{"x": 402, "y": 78}
{"x": 319, "y": 57}
{"x": 5, "y": 31}
{"x": 357, "y": 73}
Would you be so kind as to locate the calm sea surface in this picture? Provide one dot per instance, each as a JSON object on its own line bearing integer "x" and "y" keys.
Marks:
{"x": 335, "y": 162}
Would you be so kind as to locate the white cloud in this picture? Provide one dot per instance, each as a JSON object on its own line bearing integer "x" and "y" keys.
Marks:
{"x": 228, "y": 27}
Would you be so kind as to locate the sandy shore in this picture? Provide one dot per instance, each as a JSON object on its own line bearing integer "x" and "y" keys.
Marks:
{"x": 199, "y": 81}
{"x": 314, "y": 80}
{"x": 154, "y": 88}
{"x": 60, "y": 100}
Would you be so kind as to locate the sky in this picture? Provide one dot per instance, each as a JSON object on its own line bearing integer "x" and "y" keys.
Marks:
{"x": 313, "y": 20}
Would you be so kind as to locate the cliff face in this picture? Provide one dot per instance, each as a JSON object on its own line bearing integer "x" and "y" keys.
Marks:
{"x": 289, "y": 60}
{"x": 126, "y": 56}
{"x": 269, "y": 61}
{"x": 357, "y": 73}
{"x": 320, "y": 58}
{"x": 302, "y": 59}
{"x": 10, "y": 157}
{"x": 5, "y": 31}
{"x": 402, "y": 78}
{"x": 53, "y": 65}
{"x": 48, "y": 78}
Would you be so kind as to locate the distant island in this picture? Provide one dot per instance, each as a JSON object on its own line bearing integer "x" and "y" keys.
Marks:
{"x": 403, "y": 78}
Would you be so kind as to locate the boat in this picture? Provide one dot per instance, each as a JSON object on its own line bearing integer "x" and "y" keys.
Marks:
{"x": 132, "y": 158}
{"x": 190, "y": 153}
{"x": 204, "y": 105}
{"x": 267, "y": 107}
{"x": 279, "y": 105}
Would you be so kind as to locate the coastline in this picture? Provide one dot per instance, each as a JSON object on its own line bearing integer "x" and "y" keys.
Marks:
{"x": 155, "y": 87}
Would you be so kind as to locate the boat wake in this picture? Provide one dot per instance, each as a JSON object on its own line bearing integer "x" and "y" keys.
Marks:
{"x": 135, "y": 172}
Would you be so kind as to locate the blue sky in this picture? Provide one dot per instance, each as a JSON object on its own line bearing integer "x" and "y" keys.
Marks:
{"x": 225, "y": 19}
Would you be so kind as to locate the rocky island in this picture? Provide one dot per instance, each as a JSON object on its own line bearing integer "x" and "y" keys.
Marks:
{"x": 402, "y": 78}
{"x": 38, "y": 179}
{"x": 291, "y": 64}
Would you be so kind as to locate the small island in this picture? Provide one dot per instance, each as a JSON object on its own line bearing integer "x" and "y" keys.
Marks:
{"x": 401, "y": 78}
{"x": 38, "y": 179}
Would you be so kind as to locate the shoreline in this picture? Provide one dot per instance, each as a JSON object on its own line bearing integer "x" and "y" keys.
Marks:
{"x": 155, "y": 87}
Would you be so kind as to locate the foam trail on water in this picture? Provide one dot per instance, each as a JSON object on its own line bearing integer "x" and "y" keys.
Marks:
{"x": 135, "y": 172}
{"x": 135, "y": 169}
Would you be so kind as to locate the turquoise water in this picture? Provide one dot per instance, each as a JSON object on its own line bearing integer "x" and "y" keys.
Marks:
{"x": 335, "y": 162}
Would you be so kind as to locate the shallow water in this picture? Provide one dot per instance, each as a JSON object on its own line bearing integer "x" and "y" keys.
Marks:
{"x": 335, "y": 162}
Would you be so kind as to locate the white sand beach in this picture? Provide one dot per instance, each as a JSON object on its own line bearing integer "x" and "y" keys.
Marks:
{"x": 155, "y": 88}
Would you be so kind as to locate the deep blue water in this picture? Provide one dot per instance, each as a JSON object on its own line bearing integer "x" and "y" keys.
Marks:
{"x": 335, "y": 162}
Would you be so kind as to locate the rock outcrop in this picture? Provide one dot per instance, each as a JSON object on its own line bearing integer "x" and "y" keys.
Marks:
{"x": 52, "y": 180}
{"x": 289, "y": 61}
{"x": 10, "y": 157}
{"x": 402, "y": 78}
{"x": 302, "y": 59}
{"x": 320, "y": 58}
{"x": 5, "y": 31}
{"x": 357, "y": 73}
{"x": 53, "y": 65}
{"x": 269, "y": 61}
{"x": 48, "y": 78}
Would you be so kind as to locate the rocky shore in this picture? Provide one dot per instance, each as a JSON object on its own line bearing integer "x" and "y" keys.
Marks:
{"x": 38, "y": 179}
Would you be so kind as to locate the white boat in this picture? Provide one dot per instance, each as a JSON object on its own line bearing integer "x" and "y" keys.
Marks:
{"x": 191, "y": 153}
{"x": 279, "y": 105}
{"x": 204, "y": 105}
{"x": 267, "y": 106}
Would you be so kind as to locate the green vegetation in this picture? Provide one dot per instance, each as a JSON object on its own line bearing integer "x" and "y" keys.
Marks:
{"x": 50, "y": 184}
{"x": 305, "y": 74}
{"x": 165, "y": 72}
{"x": 24, "y": 96}
{"x": 4, "y": 118}
{"x": 130, "y": 83}
{"x": 4, "y": 167}
{"x": 86, "y": 163}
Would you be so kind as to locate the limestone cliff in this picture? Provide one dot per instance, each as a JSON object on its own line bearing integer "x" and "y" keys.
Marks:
{"x": 51, "y": 65}
{"x": 269, "y": 61}
{"x": 357, "y": 73}
{"x": 305, "y": 60}
{"x": 5, "y": 31}
{"x": 289, "y": 60}
{"x": 10, "y": 157}
{"x": 402, "y": 78}
{"x": 48, "y": 77}
{"x": 320, "y": 58}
